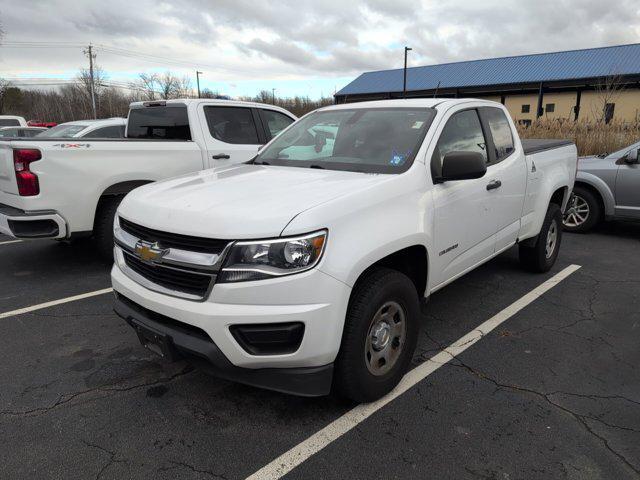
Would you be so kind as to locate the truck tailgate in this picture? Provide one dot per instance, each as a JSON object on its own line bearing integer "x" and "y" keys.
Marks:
{"x": 7, "y": 174}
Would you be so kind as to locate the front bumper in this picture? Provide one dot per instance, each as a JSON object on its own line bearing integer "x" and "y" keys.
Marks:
{"x": 313, "y": 298}
{"x": 26, "y": 224}
{"x": 178, "y": 341}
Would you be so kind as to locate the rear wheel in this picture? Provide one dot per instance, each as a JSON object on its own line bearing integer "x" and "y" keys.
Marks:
{"x": 103, "y": 226}
{"x": 380, "y": 335}
{"x": 541, "y": 256}
{"x": 583, "y": 212}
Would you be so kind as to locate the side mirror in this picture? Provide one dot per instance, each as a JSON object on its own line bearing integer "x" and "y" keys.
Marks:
{"x": 463, "y": 166}
{"x": 631, "y": 157}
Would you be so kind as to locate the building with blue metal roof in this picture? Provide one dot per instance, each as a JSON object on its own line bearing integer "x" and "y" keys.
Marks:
{"x": 595, "y": 83}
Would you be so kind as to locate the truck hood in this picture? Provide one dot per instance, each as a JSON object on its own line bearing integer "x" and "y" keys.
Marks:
{"x": 238, "y": 202}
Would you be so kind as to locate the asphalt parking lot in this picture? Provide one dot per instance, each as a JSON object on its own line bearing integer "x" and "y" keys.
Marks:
{"x": 553, "y": 392}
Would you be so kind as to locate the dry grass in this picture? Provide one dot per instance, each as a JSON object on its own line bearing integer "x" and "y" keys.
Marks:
{"x": 592, "y": 138}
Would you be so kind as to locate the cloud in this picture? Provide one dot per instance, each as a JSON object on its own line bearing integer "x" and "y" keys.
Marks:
{"x": 237, "y": 41}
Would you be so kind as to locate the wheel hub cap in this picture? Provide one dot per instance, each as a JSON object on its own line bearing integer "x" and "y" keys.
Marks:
{"x": 577, "y": 213}
{"x": 385, "y": 339}
{"x": 380, "y": 335}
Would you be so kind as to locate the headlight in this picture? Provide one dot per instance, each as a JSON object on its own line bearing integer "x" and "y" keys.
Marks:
{"x": 262, "y": 259}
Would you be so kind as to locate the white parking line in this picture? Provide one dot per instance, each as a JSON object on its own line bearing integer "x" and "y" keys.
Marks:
{"x": 10, "y": 241}
{"x": 53, "y": 303}
{"x": 316, "y": 442}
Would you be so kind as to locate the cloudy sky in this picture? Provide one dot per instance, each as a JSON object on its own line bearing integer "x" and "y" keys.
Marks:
{"x": 299, "y": 47}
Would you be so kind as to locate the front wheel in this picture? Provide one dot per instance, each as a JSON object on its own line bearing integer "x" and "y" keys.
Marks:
{"x": 380, "y": 334}
{"x": 541, "y": 256}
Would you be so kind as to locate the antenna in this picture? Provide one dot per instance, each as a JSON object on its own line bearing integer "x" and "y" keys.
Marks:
{"x": 435, "y": 94}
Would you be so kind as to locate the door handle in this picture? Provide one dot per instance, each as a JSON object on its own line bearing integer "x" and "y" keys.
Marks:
{"x": 492, "y": 185}
{"x": 221, "y": 156}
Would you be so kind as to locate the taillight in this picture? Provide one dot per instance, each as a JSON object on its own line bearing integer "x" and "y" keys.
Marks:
{"x": 28, "y": 185}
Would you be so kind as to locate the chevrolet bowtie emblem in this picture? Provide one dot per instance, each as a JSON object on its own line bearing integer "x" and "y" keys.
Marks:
{"x": 149, "y": 252}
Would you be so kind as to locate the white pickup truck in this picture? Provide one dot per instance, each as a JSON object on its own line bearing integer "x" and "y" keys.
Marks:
{"x": 63, "y": 188}
{"x": 305, "y": 269}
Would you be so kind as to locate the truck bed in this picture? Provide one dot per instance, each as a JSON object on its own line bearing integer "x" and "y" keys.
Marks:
{"x": 534, "y": 145}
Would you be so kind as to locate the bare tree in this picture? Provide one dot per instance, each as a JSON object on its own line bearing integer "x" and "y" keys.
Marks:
{"x": 169, "y": 85}
{"x": 147, "y": 84}
{"x": 184, "y": 89}
{"x": 4, "y": 87}
{"x": 83, "y": 81}
{"x": 607, "y": 93}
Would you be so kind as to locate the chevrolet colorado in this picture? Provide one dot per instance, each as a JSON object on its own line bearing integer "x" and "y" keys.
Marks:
{"x": 304, "y": 269}
{"x": 62, "y": 188}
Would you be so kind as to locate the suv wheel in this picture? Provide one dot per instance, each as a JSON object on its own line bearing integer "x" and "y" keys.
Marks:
{"x": 583, "y": 211}
{"x": 541, "y": 256}
{"x": 380, "y": 335}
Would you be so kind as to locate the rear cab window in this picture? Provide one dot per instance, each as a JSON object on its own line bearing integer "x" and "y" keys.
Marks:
{"x": 162, "y": 122}
{"x": 235, "y": 125}
{"x": 9, "y": 122}
{"x": 501, "y": 144}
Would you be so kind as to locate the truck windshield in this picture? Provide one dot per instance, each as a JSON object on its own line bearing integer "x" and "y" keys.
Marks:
{"x": 371, "y": 140}
{"x": 63, "y": 131}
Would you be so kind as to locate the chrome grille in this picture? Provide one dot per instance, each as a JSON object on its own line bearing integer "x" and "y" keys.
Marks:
{"x": 173, "y": 240}
{"x": 172, "y": 264}
{"x": 193, "y": 283}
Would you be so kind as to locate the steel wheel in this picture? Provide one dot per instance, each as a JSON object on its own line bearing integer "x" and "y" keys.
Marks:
{"x": 577, "y": 213}
{"x": 552, "y": 239}
{"x": 385, "y": 339}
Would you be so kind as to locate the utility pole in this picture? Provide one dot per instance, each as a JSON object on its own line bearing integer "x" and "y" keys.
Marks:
{"x": 198, "y": 81}
{"x": 89, "y": 52}
{"x": 273, "y": 96}
{"x": 404, "y": 83}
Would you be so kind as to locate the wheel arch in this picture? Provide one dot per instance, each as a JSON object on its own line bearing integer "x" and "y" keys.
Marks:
{"x": 411, "y": 260}
{"x": 117, "y": 189}
{"x": 560, "y": 197}
{"x": 602, "y": 191}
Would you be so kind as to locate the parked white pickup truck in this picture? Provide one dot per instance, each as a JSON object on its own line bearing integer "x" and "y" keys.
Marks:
{"x": 12, "y": 121}
{"x": 62, "y": 188}
{"x": 305, "y": 269}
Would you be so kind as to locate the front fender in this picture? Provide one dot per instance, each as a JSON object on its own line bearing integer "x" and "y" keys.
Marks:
{"x": 379, "y": 252}
{"x": 601, "y": 187}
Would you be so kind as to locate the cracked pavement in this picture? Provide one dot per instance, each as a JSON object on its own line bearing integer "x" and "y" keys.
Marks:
{"x": 552, "y": 393}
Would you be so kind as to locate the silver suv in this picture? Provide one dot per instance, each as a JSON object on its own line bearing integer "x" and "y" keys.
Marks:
{"x": 607, "y": 187}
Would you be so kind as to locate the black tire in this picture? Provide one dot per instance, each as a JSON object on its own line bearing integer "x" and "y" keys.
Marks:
{"x": 593, "y": 216}
{"x": 379, "y": 287}
{"x": 103, "y": 226}
{"x": 535, "y": 258}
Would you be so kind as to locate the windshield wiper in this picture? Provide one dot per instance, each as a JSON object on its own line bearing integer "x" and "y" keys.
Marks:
{"x": 319, "y": 167}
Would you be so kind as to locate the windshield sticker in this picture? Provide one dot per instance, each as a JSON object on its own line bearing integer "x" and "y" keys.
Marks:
{"x": 398, "y": 159}
{"x": 417, "y": 125}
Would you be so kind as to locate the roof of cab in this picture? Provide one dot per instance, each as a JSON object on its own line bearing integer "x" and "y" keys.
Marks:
{"x": 98, "y": 122}
{"x": 407, "y": 103}
{"x": 196, "y": 101}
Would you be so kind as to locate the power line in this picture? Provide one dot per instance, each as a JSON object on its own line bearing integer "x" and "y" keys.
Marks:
{"x": 148, "y": 57}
